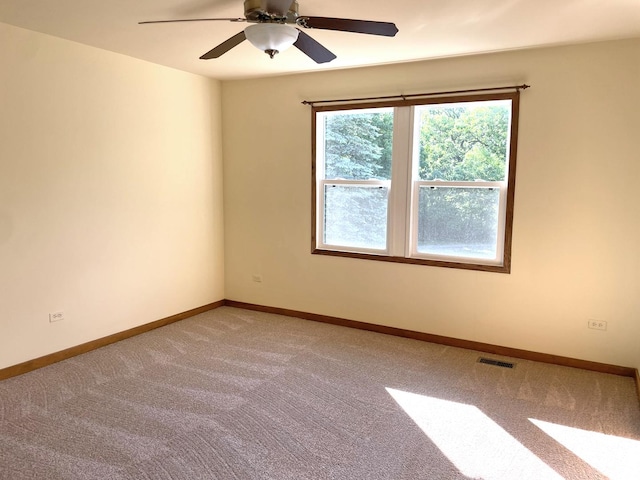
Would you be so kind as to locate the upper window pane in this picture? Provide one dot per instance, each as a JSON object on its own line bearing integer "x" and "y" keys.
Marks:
{"x": 358, "y": 144}
{"x": 463, "y": 141}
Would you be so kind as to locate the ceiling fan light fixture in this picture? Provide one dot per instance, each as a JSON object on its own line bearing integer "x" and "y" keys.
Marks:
{"x": 271, "y": 38}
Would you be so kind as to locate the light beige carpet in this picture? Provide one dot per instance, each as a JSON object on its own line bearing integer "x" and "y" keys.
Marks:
{"x": 236, "y": 394}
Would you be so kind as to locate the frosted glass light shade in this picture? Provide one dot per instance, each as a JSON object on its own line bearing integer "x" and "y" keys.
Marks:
{"x": 271, "y": 36}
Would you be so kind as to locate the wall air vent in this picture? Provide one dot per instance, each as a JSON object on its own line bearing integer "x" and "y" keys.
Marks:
{"x": 497, "y": 363}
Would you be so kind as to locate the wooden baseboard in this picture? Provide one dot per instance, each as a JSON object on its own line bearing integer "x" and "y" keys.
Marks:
{"x": 453, "y": 342}
{"x": 31, "y": 365}
{"x": 34, "y": 364}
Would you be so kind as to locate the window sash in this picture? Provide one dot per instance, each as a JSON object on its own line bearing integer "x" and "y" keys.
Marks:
{"x": 320, "y": 226}
{"x": 412, "y": 245}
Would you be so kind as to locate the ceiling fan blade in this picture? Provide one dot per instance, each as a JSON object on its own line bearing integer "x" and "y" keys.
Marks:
{"x": 225, "y": 46}
{"x": 313, "y": 49}
{"x": 195, "y": 20}
{"x": 386, "y": 29}
{"x": 277, "y": 7}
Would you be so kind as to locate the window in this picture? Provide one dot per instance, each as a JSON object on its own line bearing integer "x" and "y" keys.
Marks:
{"x": 427, "y": 182}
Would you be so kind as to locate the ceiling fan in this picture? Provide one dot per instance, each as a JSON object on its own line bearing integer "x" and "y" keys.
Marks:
{"x": 272, "y": 32}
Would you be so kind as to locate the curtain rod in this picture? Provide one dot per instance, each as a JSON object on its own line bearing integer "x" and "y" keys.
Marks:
{"x": 414, "y": 95}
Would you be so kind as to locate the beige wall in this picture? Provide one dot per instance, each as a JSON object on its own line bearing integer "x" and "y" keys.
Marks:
{"x": 111, "y": 200}
{"x": 110, "y": 193}
{"x": 577, "y": 211}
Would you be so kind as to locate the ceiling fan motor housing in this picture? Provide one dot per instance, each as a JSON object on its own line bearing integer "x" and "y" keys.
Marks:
{"x": 276, "y": 26}
{"x": 254, "y": 12}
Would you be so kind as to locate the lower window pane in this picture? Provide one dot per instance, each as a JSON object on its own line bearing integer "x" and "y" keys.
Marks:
{"x": 460, "y": 222}
{"x": 355, "y": 216}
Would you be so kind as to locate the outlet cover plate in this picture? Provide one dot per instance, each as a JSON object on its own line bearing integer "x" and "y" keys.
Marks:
{"x": 597, "y": 325}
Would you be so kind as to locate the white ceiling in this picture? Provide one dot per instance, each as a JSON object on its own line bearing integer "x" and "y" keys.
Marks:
{"x": 428, "y": 29}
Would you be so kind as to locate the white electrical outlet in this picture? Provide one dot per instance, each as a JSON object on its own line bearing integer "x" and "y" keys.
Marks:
{"x": 56, "y": 317}
{"x": 597, "y": 325}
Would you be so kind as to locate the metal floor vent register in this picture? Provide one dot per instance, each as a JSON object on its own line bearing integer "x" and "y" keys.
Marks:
{"x": 497, "y": 363}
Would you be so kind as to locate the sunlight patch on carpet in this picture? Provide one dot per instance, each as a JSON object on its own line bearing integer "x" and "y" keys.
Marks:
{"x": 616, "y": 457}
{"x": 474, "y": 443}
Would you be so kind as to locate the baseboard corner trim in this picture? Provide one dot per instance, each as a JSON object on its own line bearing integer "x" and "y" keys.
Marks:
{"x": 449, "y": 341}
{"x": 36, "y": 363}
{"x": 638, "y": 383}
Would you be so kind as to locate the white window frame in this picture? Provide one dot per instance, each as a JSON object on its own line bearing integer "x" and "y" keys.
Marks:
{"x": 403, "y": 193}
